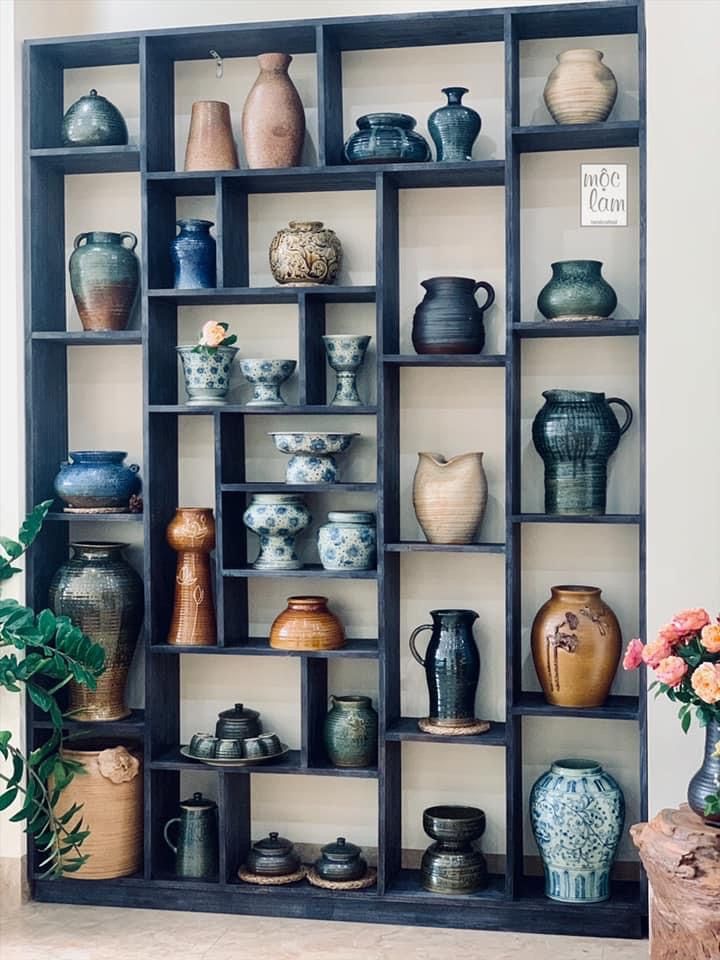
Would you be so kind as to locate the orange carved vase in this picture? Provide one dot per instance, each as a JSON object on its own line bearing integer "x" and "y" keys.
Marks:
{"x": 192, "y": 534}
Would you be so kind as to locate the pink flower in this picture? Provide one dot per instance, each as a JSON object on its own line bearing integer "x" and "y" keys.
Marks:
{"x": 212, "y": 334}
{"x": 670, "y": 635}
{"x": 655, "y": 651}
{"x": 671, "y": 670}
{"x": 633, "y": 655}
{"x": 710, "y": 637}
{"x": 706, "y": 682}
{"x": 690, "y": 621}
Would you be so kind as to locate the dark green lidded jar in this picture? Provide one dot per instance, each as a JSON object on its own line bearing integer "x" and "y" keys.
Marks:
{"x": 92, "y": 121}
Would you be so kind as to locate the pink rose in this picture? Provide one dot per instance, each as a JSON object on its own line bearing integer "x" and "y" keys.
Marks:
{"x": 690, "y": 621}
{"x": 655, "y": 651}
{"x": 671, "y": 670}
{"x": 670, "y": 635}
{"x": 633, "y": 655}
{"x": 212, "y": 334}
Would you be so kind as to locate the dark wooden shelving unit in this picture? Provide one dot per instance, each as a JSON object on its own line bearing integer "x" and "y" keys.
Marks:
{"x": 512, "y": 900}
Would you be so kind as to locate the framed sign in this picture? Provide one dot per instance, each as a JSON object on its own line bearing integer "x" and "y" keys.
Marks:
{"x": 603, "y": 194}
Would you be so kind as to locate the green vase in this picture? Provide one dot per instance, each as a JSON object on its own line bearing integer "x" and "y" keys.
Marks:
{"x": 577, "y": 291}
{"x": 351, "y": 732}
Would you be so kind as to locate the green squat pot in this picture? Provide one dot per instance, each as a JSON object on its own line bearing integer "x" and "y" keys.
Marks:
{"x": 575, "y": 433}
{"x": 351, "y": 732}
{"x": 104, "y": 278}
{"x": 93, "y": 121}
{"x": 196, "y": 848}
{"x": 454, "y": 127}
{"x": 577, "y": 291}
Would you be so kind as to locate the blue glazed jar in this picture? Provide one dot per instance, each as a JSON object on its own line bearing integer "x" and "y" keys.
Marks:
{"x": 93, "y": 479}
{"x": 577, "y": 812}
{"x": 386, "y": 138}
{"x": 454, "y": 128}
{"x": 193, "y": 255}
{"x": 577, "y": 291}
{"x": 348, "y": 541}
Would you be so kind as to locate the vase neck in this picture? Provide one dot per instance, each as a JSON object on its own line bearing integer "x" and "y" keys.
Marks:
{"x": 451, "y": 618}
{"x": 574, "y": 592}
{"x": 97, "y": 456}
{"x": 351, "y": 702}
{"x": 576, "y": 768}
{"x": 448, "y": 283}
{"x": 712, "y": 738}
{"x": 274, "y": 62}
{"x": 576, "y": 268}
{"x": 307, "y": 604}
{"x": 97, "y": 551}
{"x": 573, "y": 396}
{"x": 402, "y": 120}
{"x": 194, "y": 226}
{"x": 454, "y": 94}
{"x": 583, "y": 54}
{"x": 104, "y": 236}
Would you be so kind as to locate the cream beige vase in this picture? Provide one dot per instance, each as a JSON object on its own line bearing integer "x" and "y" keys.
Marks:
{"x": 273, "y": 121}
{"x": 450, "y": 496}
{"x": 210, "y": 143}
{"x": 581, "y": 89}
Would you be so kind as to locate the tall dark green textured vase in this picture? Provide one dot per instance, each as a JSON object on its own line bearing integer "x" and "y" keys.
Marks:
{"x": 575, "y": 433}
{"x": 454, "y": 127}
{"x": 452, "y": 667}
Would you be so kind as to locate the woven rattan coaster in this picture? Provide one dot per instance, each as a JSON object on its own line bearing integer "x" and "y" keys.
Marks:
{"x": 362, "y": 884}
{"x": 93, "y": 510}
{"x": 479, "y": 726}
{"x": 248, "y": 877}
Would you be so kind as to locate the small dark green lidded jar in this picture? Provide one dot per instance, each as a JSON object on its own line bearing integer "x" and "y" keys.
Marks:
{"x": 237, "y": 723}
{"x": 92, "y": 121}
{"x": 274, "y": 856}
{"x": 341, "y": 861}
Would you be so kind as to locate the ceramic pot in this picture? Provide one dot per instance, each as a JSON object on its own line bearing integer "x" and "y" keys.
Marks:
{"x": 207, "y": 376}
{"x": 305, "y": 254}
{"x": 277, "y": 519}
{"x": 580, "y": 89}
{"x": 341, "y": 861}
{"x": 351, "y": 732}
{"x": 110, "y": 791}
{"x": 307, "y": 624}
{"x": 312, "y": 455}
{"x": 267, "y": 376}
{"x": 450, "y": 496}
{"x": 345, "y": 354}
{"x": 452, "y": 667}
{"x": 102, "y": 595}
{"x": 193, "y": 255}
{"x": 274, "y": 856}
{"x": 196, "y": 848}
{"x": 577, "y": 812}
{"x": 386, "y": 138}
{"x": 707, "y": 780}
{"x": 575, "y": 433}
{"x": 448, "y": 319}
{"x": 454, "y": 127}
{"x": 96, "y": 479}
{"x": 576, "y": 647}
{"x": 237, "y": 723}
{"x": 348, "y": 541}
{"x": 92, "y": 121}
{"x": 452, "y": 864}
{"x": 104, "y": 279}
{"x": 577, "y": 291}
{"x": 191, "y": 533}
{"x": 273, "y": 121}
{"x": 210, "y": 143}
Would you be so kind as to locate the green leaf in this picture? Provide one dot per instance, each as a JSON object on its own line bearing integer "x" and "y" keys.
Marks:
{"x": 11, "y": 547}
{"x": 229, "y": 341}
{"x": 7, "y": 798}
{"x": 46, "y": 624}
{"x": 41, "y": 698}
{"x": 686, "y": 721}
{"x": 33, "y": 523}
{"x": 5, "y": 736}
{"x": 7, "y": 572}
{"x": 18, "y": 770}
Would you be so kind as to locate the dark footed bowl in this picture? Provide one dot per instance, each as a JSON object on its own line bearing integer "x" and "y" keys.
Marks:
{"x": 454, "y": 824}
{"x": 453, "y": 871}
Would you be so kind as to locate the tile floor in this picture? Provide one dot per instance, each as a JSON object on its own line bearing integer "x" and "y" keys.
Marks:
{"x": 38, "y": 931}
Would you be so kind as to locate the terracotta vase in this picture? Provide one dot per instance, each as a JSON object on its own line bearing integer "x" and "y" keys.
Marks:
{"x": 273, "y": 121}
{"x": 576, "y": 646}
{"x": 449, "y": 496}
{"x": 192, "y": 533}
{"x": 210, "y": 143}
{"x": 580, "y": 89}
{"x": 307, "y": 624}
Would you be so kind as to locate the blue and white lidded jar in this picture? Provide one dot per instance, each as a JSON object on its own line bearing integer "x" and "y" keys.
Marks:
{"x": 348, "y": 541}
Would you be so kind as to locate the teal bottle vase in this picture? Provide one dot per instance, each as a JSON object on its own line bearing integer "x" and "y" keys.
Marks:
{"x": 454, "y": 127}
{"x": 577, "y": 291}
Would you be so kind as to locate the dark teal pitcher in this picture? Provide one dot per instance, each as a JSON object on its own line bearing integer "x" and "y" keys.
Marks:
{"x": 452, "y": 667}
{"x": 196, "y": 852}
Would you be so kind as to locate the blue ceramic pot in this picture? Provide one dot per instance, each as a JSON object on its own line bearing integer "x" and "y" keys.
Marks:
{"x": 386, "y": 138}
{"x": 277, "y": 519}
{"x": 207, "y": 376}
{"x": 577, "y": 813}
{"x": 193, "y": 255}
{"x": 577, "y": 291}
{"x": 348, "y": 541}
{"x": 91, "y": 479}
{"x": 93, "y": 121}
{"x": 454, "y": 127}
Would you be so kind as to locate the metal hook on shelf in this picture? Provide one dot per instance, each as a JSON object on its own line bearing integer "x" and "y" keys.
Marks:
{"x": 218, "y": 63}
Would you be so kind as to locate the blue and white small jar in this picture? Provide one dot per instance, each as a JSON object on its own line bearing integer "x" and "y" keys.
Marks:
{"x": 277, "y": 519}
{"x": 348, "y": 541}
{"x": 207, "y": 376}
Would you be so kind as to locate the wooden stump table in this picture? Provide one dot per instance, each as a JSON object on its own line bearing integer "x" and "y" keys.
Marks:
{"x": 681, "y": 855}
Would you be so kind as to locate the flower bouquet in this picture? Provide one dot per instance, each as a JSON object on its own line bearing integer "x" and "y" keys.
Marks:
{"x": 206, "y": 365}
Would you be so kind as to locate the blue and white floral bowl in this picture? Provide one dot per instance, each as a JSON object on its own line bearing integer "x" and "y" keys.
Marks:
{"x": 312, "y": 455}
{"x": 277, "y": 519}
{"x": 348, "y": 541}
{"x": 346, "y": 353}
{"x": 207, "y": 377}
{"x": 266, "y": 376}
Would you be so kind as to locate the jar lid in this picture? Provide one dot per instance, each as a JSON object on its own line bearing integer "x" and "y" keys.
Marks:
{"x": 238, "y": 712}
{"x": 351, "y": 516}
{"x": 273, "y": 844}
{"x": 341, "y": 850}
{"x": 198, "y": 802}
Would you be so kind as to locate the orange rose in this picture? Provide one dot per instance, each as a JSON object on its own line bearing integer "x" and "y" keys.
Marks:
{"x": 710, "y": 637}
{"x": 706, "y": 682}
{"x": 671, "y": 670}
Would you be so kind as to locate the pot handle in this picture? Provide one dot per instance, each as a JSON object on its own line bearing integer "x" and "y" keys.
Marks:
{"x": 79, "y": 239}
{"x": 128, "y": 236}
{"x": 134, "y": 467}
{"x": 489, "y": 289}
{"x": 413, "y": 648}
{"x": 628, "y": 412}
{"x": 165, "y": 833}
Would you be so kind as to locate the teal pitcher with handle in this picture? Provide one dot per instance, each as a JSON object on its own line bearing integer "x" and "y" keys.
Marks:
{"x": 196, "y": 850}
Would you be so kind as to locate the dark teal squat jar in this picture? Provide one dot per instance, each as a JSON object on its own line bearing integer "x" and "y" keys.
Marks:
{"x": 575, "y": 433}
{"x": 386, "y": 138}
{"x": 196, "y": 850}
{"x": 351, "y": 732}
{"x": 454, "y": 127}
{"x": 577, "y": 291}
{"x": 93, "y": 121}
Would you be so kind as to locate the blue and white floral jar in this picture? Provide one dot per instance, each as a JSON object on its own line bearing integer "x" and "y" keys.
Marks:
{"x": 577, "y": 813}
{"x": 277, "y": 519}
{"x": 348, "y": 541}
{"x": 207, "y": 376}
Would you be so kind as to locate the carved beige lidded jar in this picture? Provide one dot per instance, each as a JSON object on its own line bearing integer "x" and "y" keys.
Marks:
{"x": 305, "y": 253}
{"x": 450, "y": 496}
{"x": 580, "y": 89}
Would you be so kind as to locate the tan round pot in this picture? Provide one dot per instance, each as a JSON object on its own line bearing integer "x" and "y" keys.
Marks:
{"x": 450, "y": 496}
{"x": 273, "y": 122}
{"x": 307, "y": 624}
{"x": 111, "y": 794}
{"x": 210, "y": 143}
{"x": 580, "y": 89}
{"x": 576, "y": 645}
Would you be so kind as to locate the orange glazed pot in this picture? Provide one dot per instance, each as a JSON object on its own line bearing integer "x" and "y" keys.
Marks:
{"x": 307, "y": 624}
{"x": 576, "y": 646}
{"x": 191, "y": 533}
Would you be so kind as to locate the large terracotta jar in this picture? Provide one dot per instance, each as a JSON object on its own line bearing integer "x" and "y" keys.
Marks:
{"x": 450, "y": 496}
{"x": 192, "y": 533}
{"x": 307, "y": 624}
{"x": 273, "y": 122}
{"x": 576, "y": 646}
{"x": 580, "y": 89}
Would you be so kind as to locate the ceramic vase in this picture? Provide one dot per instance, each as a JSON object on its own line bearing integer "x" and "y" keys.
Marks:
{"x": 102, "y": 595}
{"x": 575, "y": 433}
{"x": 453, "y": 864}
{"x": 267, "y": 376}
{"x": 577, "y": 812}
{"x": 191, "y": 533}
{"x": 577, "y": 291}
{"x": 210, "y": 144}
{"x": 97, "y": 480}
{"x": 307, "y": 624}
{"x": 193, "y": 255}
{"x": 707, "y": 780}
{"x": 576, "y": 646}
{"x": 196, "y": 844}
{"x": 350, "y": 732}
{"x": 305, "y": 254}
{"x": 448, "y": 319}
{"x": 277, "y": 519}
{"x": 454, "y": 128}
{"x": 104, "y": 279}
{"x": 386, "y": 138}
{"x": 346, "y": 354}
{"x": 580, "y": 89}
{"x": 340, "y": 861}
{"x": 452, "y": 667}
{"x": 312, "y": 455}
{"x": 450, "y": 496}
{"x": 348, "y": 541}
{"x": 273, "y": 121}
{"x": 207, "y": 375}
{"x": 92, "y": 121}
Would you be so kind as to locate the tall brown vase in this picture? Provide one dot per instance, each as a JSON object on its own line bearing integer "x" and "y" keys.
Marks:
{"x": 210, "y": 143}
{"x": 576, "y": 646}
{"x": 273, "y": 122}
{"x": 192, "y": 533}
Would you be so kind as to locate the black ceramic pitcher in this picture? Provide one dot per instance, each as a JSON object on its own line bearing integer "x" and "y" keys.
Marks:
{"x": 449, "y": 320}
{"x": 196, "y": 853}
{"x": 452, "y": 666}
